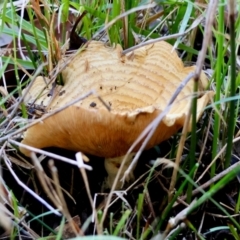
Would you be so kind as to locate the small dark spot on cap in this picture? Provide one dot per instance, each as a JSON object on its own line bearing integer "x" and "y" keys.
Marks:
{"x": 110, "y": 104}
{"x": 93, "y": 104}
{"x": 115, "y": 87}
{"x": 100, "y": 87}
{"x": 62, "y": 92}
{"x": 117, "y": 165}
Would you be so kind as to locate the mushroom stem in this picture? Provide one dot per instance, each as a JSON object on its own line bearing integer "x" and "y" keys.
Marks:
{"x": 112, "y": 166}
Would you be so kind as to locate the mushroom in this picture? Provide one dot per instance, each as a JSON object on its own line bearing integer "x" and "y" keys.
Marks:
{"x": 136, "y": 87}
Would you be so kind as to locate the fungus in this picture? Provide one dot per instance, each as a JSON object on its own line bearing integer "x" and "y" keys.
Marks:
{"x": 143, "y": 85}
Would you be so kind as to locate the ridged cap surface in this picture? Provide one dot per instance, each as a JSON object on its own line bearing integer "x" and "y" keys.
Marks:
{"x": 136, "y": 87}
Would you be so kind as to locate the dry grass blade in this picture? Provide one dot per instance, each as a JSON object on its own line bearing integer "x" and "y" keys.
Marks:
{"x": 65, "y": 211}
{"x": 43, "y": 118}
{"x": 54, "y": 192}
{"x": 210, "y": 17}
{"x": 123, "y": 15}
{"x": 5, "y": 219}
{"x": 205, "y": 140}
{"x": 211, "y": 181}
{"x": 174, "y": 221}
{"x": 10, "y": 116}
{"x": 48, "y": 206}
{"x": 84, "y": 175}
{"x": 215, "y": 159}
{"x": 51, "y": 155}
{"x": 197, "y": 21}
{"x": 179, "y": 155}
{"x": 47, "y": 186}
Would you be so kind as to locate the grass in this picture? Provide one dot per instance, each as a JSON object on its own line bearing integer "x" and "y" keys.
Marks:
{"x": 182, "y": 199}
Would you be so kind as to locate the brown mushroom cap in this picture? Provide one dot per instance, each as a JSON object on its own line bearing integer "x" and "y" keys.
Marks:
{"x": 137, "y": 88}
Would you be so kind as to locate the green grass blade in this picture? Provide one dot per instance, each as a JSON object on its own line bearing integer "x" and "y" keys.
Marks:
{"x": 193, "y": 137}
{"x": 219, "y": 80}
{"x": 231, "y": 116}
{"x": 121, "y": 223}
{"x": 139, "y": 212}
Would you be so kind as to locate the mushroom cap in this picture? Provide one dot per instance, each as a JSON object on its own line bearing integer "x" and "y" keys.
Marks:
{"x": 137, "y": 88}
